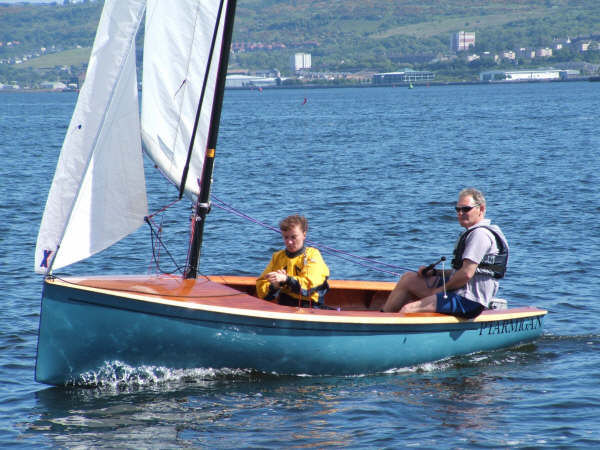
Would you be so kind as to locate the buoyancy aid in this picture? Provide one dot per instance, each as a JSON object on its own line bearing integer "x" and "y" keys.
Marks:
{"x": 492, "y": 265}
{"x": 307, "y": 275}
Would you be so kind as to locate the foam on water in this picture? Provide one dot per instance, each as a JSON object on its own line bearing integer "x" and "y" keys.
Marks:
{"x": 121, "y": 376}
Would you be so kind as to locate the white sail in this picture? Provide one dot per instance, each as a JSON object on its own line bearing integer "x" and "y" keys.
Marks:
{"x": 98, "y": 195}
{"x": 176, "y": 53}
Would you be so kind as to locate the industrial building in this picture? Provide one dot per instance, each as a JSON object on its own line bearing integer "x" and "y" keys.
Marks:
{"x": 527, "y": 75}
{"x": 250, "y": 82}
{"x": 407, "y": 76}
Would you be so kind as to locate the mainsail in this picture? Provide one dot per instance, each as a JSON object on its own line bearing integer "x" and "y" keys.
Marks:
{"x": 177, "y": 46}
{"x": 98, "y": 194}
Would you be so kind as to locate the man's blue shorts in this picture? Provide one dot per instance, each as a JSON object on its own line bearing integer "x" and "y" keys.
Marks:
{"x": 457, "y": 305}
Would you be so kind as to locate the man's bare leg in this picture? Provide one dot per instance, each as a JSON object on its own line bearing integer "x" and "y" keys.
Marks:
{"x": 411, "y": 287}
{"x": 427, "y": 304}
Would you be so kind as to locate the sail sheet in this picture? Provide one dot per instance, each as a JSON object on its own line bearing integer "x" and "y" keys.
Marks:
{"x": 98, "y": 194}
{"x": 177, "y": 49}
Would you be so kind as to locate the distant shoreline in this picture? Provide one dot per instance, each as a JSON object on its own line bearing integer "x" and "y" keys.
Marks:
{"x": 369, "y": 85}
{"x": 406, "y": 85}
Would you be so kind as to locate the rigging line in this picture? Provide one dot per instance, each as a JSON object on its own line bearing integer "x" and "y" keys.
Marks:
{"x": 156, "y": 256}
{"x": 156, "y": 236}
{"x": 150, "y": 216}
{"x": 201, "y": 100}
{"x": 221, "y": 204}
{"x": 315, "y": 244}
{"x": 368, "y": 266}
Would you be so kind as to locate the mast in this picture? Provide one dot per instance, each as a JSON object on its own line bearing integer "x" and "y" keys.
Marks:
{"x": 202, "y": 207}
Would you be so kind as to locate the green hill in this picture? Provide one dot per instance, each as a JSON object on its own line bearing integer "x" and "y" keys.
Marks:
{"x": 341, "y": 35}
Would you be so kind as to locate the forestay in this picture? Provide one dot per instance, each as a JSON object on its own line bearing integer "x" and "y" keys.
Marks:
{"x": 98, "y": 194}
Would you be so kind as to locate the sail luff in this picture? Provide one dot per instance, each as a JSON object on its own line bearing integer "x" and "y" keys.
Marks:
{"x": 177, "y": 46}
{"x": 221, "y": 77}
{"x": 202, "y": 204}
{"x": 200, "y": 102}
{"x": 103, "y": 127}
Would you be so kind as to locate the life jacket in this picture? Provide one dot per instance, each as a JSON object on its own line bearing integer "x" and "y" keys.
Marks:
{"x": 299, "y": 285}
{"x": 492, "y": 265}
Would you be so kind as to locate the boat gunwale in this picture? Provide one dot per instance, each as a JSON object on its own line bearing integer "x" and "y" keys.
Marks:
{"x": 262, "y": 309}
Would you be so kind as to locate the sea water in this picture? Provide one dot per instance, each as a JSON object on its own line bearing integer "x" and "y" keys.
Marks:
{"x": 376, "y": 172}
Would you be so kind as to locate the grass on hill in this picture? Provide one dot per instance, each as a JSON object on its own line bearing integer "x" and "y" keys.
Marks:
{"x": 73, "y": 57}
{"x": 447, "y": 25}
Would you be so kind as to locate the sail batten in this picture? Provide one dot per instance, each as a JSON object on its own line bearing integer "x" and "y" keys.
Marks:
{"x": 98, "y": 194}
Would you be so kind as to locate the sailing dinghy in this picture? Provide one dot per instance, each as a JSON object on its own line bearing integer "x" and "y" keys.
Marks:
{"x": 98, "y": 196}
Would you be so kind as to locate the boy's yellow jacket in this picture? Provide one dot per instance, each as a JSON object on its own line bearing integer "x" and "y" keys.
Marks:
{"x": 307, "y": 275}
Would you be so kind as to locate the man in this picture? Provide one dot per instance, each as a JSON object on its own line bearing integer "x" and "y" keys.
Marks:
{"x": 296, "y": 275}
{"x": 480, "y": 259}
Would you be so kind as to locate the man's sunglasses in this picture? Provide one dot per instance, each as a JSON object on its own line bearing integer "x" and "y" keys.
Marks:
{"x": 464, "y": 209}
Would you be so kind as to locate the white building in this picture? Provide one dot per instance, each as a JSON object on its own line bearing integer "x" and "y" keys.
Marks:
{"x": 404, "y": 77}
{"x": 509, "y": 54}
{"x": 301, "y": 61}
{"x": 462, "y": 40}
{"x": 53, "y": 85}
{"x": 527, "y": 75}
{"x": 583, "y": 46}
{"x": 249, "y": 82}
{"x": 543, "y": 52}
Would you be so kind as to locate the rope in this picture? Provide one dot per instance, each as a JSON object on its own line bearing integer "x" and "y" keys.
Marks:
{"x": 368, "y": 263}
{"x": 163, "y": 209}
{"x": 326, "y": 249}
{"x": 154, "y": 236}
{"x": 444, "y": 277}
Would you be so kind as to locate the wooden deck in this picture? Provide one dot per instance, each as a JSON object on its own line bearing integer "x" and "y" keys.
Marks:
{"x": 358, "y": 299}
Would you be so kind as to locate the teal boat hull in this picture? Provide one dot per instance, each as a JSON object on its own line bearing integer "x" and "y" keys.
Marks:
{"x": 82, "y": 329}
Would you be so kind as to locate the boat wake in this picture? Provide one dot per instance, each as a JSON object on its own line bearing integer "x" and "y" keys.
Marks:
{"x": 121, "y": 376}
{"x": 118, "y": 376}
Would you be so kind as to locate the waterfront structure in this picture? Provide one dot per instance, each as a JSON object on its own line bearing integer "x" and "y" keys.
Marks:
{"x": 527, "y": 75}
{"x": 249, "y": 82}
{"x": 406, "y": 76}
{"x": 53, "y": 85}
{"x": 462, "y": 40}
{"x": 301, "y": 61}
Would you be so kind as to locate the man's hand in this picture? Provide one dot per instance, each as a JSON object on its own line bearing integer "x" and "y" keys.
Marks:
{"x": 277, "y": 277}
